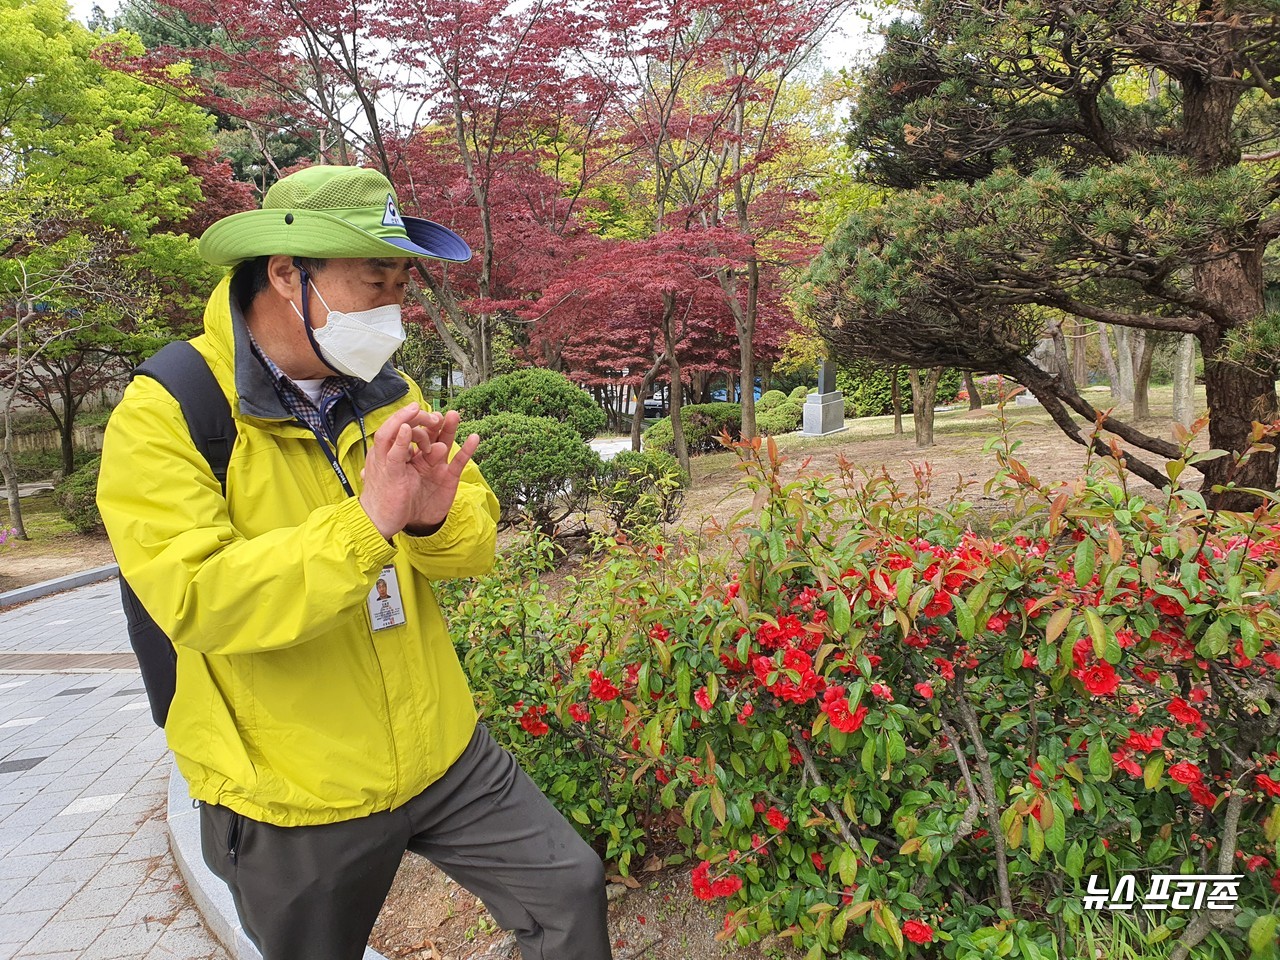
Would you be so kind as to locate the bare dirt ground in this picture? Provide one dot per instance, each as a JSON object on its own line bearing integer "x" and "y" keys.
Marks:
{"x": 426, "y": 916}
{"x": 23, "y": 563}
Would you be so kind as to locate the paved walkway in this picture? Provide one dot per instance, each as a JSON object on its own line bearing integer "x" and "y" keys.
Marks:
{"x": 85, "y": 866}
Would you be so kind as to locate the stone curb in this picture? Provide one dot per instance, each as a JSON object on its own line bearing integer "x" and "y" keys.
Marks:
{"x": 212, "y": 897}
{"x": 69, "y": 582}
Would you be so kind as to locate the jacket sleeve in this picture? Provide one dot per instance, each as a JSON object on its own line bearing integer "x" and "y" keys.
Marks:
{"x": 464, "y": 545}
{"x": 206, "y": 585}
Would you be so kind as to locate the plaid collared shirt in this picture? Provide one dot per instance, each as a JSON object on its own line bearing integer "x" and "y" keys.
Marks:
{"x": 296, "y": 401}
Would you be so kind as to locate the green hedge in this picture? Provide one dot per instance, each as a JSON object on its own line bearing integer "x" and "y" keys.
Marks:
{"x": 540, "y": 469}
{"x": 533, "y": 392}
{"x": 703, "y": 423}
{"x": 76, "y": 496}
{"x": 869, "y": 392}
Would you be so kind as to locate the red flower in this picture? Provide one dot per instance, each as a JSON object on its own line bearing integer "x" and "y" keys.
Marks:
{"x": 579, "y": 712}
{"x": 836, "y": 706}
{"x": 532, "y": 721}
{"x": 1029, "y": 660}
{"x": 747, "y": 710}
{"x": 658, "y": 632}
{"x": 1263, "y": 782}
{"x": 601, "y": 687}
{"x": 997, "y": 623}
{"x": 1255, "y": 863}
{"x": 924, "y": 690}
{"x": 1186, "y": 773}
{"x": 917, "y": 932}
{"x": 576, "y": 653}
{"x": 705, "y": 888}
{"x": 817, "y": 862}
{"x": 939, "y": 606}
{"x": 882, "y": 691}
{"x": 1183, "y": 712}
{"x": 1146, "y": 742}
{"x": 777, "y": 819}
{"x": 1099, "y": 679}
{"x": 1202, "y": 794}
{"x": 702, "y": 698}
{"x": 1167, "y": 605}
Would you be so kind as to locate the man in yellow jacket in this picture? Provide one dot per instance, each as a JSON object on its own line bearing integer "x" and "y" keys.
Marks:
{"x": 326, "y": 728}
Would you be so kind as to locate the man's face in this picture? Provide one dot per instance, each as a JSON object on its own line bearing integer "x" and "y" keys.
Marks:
{"x": 350, "y": 286}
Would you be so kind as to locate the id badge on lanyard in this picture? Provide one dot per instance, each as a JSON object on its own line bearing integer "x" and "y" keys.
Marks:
{"x": 386, "y": 607}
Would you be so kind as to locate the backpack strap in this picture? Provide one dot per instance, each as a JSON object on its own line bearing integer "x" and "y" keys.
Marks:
{"x": 181, "y": 370}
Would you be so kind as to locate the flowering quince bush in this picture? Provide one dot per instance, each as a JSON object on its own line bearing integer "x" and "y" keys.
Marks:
{"x": 877, "y": 727}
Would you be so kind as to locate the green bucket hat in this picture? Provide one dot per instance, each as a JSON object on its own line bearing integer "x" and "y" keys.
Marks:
{"x": 328, "y": 212}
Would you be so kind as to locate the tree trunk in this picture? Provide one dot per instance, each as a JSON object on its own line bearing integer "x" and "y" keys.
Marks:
{"x": 1079, "y": 359}
{"x": 923, "y": 391}
{"x": 895, "y": 394}
{"x": 10, "y": 473}
{"x": 1142, "y": 375}
{"x": 1108, "y": 361}
{"x": 677, "y": 387}
{"x": 1124, "y": 363}
{"x": 642, "y": 394}
{"x": 1184, "y": 381}
{"x": 971, "y": 388}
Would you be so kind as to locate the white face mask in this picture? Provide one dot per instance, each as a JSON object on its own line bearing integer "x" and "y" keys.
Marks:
{"x": 358, "y": 344}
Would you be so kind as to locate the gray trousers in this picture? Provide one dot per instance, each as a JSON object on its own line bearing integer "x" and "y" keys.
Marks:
{"x": 313, "y": 893}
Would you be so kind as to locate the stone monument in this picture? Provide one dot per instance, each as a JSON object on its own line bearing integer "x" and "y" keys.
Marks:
{"x": 824, "y": 410}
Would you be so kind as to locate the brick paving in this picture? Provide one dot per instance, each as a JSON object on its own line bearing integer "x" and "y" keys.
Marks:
{"x": 85, "y": 866}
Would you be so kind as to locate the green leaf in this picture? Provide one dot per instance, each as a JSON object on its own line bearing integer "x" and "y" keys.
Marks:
{"x": 1153, "y": 770}
{"x": 840, "y": 613}
{"x": 1262, "y": 934}
{"x": 1056, "y": 835}
{"x": 1036, "y": 835}
{"x": 1075, "y": 860}
{"x": 1214, "y": 641}
{"x": 1100, "y": 764}
{"x": 1086, "y": 561}
{"x": 964, "y": 619}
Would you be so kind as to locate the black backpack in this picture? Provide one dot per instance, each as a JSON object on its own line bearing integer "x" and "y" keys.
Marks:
{"x": 185, "y": 374}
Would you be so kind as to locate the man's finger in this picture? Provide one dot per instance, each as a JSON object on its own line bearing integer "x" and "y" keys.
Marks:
{"x": 387, "y": 433}
{"x": 463, "y": 456}
{"x": 401, "y": 450}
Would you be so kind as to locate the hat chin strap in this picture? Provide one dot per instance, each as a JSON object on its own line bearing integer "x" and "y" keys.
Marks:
{"x": 306, "y": 319}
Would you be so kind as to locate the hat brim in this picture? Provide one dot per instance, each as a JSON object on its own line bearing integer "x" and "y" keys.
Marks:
{"x": 318, "y": 235}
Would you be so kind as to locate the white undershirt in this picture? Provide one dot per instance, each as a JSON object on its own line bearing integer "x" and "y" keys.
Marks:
{"x": 312, "y": 389}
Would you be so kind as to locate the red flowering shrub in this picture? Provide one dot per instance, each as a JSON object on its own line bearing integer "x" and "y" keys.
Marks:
{"x": 880, "y": 727}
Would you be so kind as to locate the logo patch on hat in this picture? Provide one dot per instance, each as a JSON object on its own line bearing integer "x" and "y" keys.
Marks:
{"x": 392, "y": 217}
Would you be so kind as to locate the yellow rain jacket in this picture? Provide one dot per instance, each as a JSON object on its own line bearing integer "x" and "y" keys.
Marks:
{"x": 290, "y": 708}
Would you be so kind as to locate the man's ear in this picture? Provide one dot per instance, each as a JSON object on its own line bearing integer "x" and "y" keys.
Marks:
{"x": 284, "y": 277}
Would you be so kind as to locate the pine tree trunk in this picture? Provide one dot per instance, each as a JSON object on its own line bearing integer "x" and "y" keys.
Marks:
{"x": 1108, "y": 361}
{"x": 1124, "y": 363}
{"x": 923, "y": 391}
{"x": 1079, "y": 359}
{"x": 1184, "y": 381}
{"x": 1142, "y": 377}
{"x": 975, "y": 398}
{"x": 895, "y": 393}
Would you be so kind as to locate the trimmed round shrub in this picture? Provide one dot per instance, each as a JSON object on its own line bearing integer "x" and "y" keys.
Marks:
{"x": 784, "y": 418}
{"x": 533, "y": 392}
{"x": 77, "y": 498}
{"x": 800, "y": 394}
{"x": 769, "y": 400}
{"x": 538, "y": 468}
{"x": 703, "y": 423}
{"x": 639, "y": 489}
